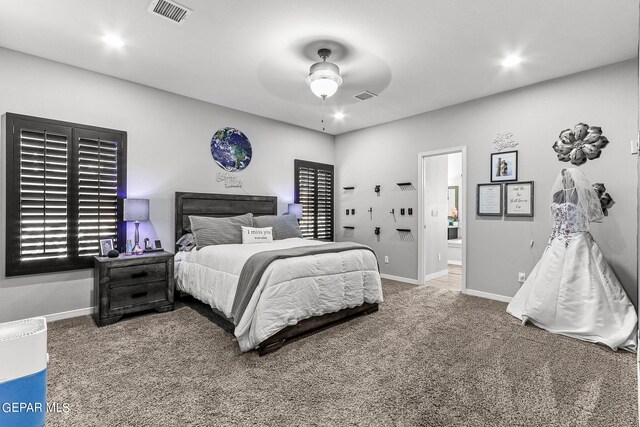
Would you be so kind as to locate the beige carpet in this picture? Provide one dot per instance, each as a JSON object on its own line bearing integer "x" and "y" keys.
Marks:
{"x": 429, "y": 357}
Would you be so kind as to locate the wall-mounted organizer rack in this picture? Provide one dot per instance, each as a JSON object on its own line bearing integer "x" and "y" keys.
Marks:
{"x": 348, "y": 227}
{"x": 404, "y": 184}
{"x": 348, "y": 188}
{"x": 405, "y": 235}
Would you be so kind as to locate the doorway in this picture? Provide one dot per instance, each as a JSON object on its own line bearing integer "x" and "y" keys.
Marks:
{"x": 442, "y": 210}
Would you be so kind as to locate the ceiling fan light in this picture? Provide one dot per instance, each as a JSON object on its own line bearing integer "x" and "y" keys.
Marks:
{"x": 324, "y": 79}
{"x": 323, "y": 87}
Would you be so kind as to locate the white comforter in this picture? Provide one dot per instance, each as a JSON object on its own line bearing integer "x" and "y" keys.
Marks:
{"x": 290, "y": 290}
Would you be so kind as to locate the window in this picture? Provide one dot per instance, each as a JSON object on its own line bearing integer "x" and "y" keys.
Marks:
{"x": 65, "y": 185}
{"x": 314, "y": 190}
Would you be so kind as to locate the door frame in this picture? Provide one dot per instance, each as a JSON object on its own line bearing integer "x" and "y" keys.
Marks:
{"x": 462, "y": 219}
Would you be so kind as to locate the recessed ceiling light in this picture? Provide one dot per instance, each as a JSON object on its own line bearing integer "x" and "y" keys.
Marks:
{"x": 113, "y": 40}
{"x": 338, "y": 115}
{"x": 511, "y": 61}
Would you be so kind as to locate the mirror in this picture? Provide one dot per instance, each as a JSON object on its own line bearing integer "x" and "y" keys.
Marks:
{"x": 452, "y": 200}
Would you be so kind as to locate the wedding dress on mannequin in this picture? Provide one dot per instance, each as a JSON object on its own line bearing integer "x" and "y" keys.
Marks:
{"x": 572, "y": 290}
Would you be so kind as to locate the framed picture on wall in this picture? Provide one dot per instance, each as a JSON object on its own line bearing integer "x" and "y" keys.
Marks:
{"x": 504, "y": 166}
{"x": 489, "y": 200}
{"x": 518, "y": 199}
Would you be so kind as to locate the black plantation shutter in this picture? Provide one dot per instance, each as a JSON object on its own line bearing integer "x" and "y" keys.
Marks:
{"x": 306, "y": 195}
{"x": 97, "y": 156}
{"x": 39, "y": 220}
{"x": 324, "y": 222}
{"x": 65, "y": 183}
{"x": 314, "y": 190}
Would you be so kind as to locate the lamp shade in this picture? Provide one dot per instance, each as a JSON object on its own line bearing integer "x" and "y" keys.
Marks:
{"x": 295, "y": 209}
{"x": 136, "y": 209}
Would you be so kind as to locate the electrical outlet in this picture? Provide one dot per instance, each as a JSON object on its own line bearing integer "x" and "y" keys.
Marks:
{"x": 386, "y": 259}
{"x": 522, "y": 277}
{"x": 439, "y": 257}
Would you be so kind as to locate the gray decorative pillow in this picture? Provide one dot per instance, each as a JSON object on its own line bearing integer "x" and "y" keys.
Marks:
{"x": 219, "y": 231}
{"x": 186, "y": 242}
{"x": 284, "y": 226}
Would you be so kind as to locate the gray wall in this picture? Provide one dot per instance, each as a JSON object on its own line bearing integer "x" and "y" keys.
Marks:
{"x": 168, "y": 151}
{"x": 498, "y": 249}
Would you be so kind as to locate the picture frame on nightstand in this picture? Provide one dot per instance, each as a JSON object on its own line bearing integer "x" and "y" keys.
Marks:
{"x": 106, "y": 245}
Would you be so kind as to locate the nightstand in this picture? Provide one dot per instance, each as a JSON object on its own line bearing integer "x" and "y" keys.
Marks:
{"x": 130, "y": 284}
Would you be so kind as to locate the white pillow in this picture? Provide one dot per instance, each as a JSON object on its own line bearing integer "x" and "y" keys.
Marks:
{"x": 257, "y": 235}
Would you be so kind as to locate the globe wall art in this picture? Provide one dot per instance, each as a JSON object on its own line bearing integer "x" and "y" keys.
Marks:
{"x": 231, "y": 149}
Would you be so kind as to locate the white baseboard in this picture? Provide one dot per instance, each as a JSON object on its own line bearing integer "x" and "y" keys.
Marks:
{"x": 68, "y": 314}
{"x": 487, "y": 295}
{"x": 454, "y": 262}
{"x": 399, "y": 279}
{"x": 435, "y": 275}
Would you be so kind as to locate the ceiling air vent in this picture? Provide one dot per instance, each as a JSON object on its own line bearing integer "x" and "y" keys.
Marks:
{"x": 365, "y": 95}
{"x": 170, "y": 10}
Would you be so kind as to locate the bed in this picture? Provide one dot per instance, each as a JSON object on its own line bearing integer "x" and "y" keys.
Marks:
{"x": 293, "y": 295}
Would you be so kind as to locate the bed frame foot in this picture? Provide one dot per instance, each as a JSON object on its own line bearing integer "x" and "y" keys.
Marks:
{"x": 371, "y": 310}
{"x": 270, "y": 347}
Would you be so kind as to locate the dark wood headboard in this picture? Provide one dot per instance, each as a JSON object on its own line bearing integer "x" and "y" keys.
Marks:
{"x": 219, "y": 205}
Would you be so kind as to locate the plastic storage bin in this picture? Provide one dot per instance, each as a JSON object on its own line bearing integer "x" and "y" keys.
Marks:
{"x": 23, "y": 373}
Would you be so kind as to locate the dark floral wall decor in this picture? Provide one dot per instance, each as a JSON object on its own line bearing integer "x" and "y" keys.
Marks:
{"x": 580, "y": 144}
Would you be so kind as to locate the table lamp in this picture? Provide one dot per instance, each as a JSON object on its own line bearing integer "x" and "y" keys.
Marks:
{"x": 136, "y": 210}
{"x": 295, "y": 209}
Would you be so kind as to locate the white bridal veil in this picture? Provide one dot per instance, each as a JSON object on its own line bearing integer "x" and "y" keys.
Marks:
{"x": 572, "y": 186}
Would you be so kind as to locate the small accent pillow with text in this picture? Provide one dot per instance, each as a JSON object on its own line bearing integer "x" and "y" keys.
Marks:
{"x": 257, "y": 235}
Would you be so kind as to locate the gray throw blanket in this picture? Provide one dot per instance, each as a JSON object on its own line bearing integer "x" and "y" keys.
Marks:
{"x": 258, "y": 263}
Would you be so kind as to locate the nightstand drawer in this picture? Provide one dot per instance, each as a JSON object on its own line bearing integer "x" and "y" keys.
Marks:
{"x": 141, "y": 294}
{"x": 134, "y": 274}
